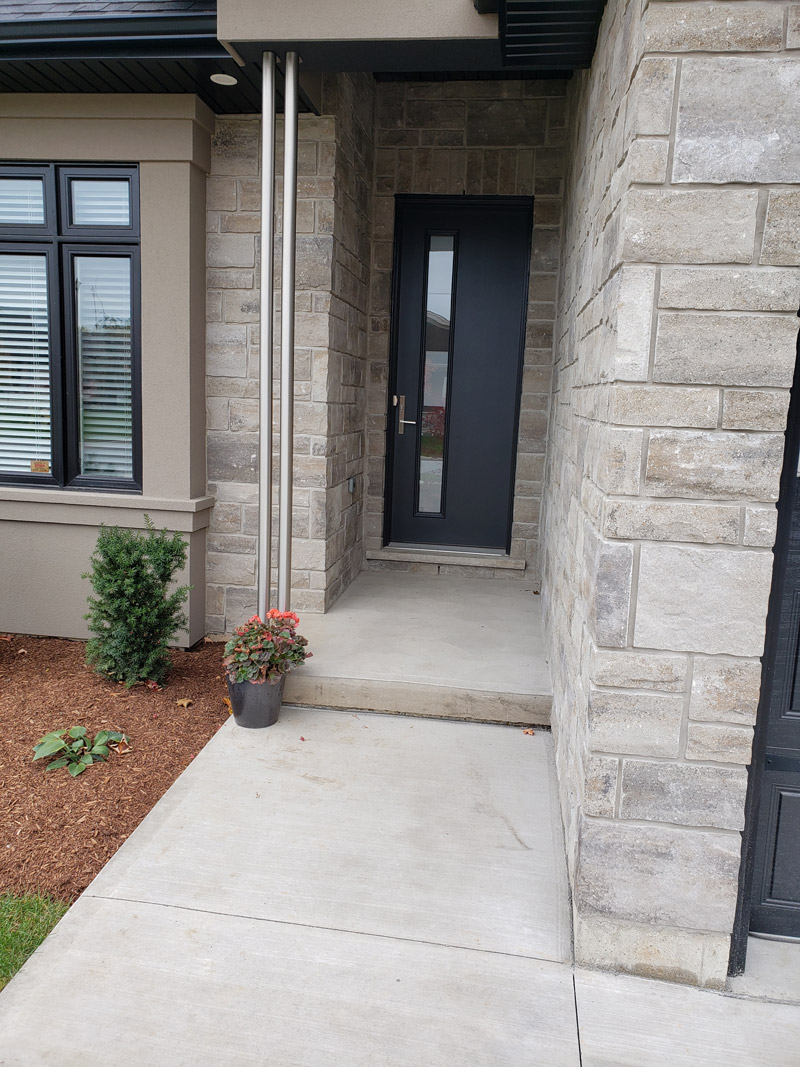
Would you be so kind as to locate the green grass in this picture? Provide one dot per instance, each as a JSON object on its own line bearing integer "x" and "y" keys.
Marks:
{"x": 25, "y": 921}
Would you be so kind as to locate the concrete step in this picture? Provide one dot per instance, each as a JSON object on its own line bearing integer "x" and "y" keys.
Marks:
{"x": 434, "y": 646}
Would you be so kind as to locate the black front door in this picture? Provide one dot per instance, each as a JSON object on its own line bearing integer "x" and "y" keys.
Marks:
{"x": 775, "y": 901}
{"x": 461, "y": 280}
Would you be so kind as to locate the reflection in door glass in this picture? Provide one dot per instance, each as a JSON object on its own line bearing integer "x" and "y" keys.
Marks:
{"x": 437, "y": 352}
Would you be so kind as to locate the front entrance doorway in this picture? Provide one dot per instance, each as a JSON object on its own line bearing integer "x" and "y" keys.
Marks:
{"x": 460, "y": 296}
{"x": 775, "y": 894}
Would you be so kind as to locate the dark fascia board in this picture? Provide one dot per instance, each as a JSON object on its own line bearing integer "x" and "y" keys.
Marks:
{"x": 167, "y": 35}
{"x": 486, "y": 7}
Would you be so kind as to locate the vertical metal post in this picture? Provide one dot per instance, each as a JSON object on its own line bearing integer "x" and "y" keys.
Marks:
{"x": 290, "y": 96}
{"x": 266, "y": 312}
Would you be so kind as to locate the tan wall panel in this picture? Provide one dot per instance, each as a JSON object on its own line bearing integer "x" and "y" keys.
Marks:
{"x": 351, "y": 20}
{"x": 41, "y": 589}
{"x": 49, "y": 544}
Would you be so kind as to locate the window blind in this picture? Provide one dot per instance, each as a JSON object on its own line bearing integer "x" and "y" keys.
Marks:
{"x": 24, "y": 364}
{"x": 103, "y": 323}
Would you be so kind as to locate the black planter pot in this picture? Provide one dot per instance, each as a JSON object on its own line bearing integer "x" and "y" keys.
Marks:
{"x": 255, "y": 706}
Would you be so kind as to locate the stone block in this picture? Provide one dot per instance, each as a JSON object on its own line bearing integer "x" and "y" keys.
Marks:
{"x": 719, "y": 349}
{"x": 225, "y": 518}
{"x": 619, "y": 461}
{"x": 690, "y": 226}
{"x": 225, "y": 569}
{"x": 496, "y": 123}
{"x": 680, "y": 793}
{"x": 725, "y": 690}
{"x": 647, "y": 161}
{"x": 226, "y": 350}
{"x": 600, "y": 786}
{"x": 719, "y": 742}
{"x": 713, "y": 27}
{"x": 244, "y": 415}
{"x": 702, "y": 599}
{"x": 240, "y": 604}
{"x": 781, "y": 244}
{"x": 435, "y": 114}
{"x": 235, "y": 146}
{"x": 754, "y": 409}
{"x": 720, "y": 465}
{"x": 645, "y": 405}
{"x": 231, "y": 250}
{"x": 314, "y": 258}
{"x": 634, "y": 317}
{"x": 725, "y": 133}
{"x": 664, "y": 953}
{"x": 607, "y": 588}
{"x": 220, "y": 196}
{"x": 760, "y": 527}
{"x": 649, "y": 102}
{"x": 217, "y": 411}
{"x": 729, "y": 289}
{"x": 659, "y": 875}
{"x": 232, "y": 457}
{"x": 639, "y": 670}
{"x": 638, "y": 724}
{"x": 650, "y": 521}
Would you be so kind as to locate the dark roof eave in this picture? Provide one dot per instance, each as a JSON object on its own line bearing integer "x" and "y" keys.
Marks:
{"x": 163, "y": 36}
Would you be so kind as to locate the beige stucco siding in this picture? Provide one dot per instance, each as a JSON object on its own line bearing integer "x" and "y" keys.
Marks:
{"x": 46, "y": 536}
{"x": 351, "y": 20}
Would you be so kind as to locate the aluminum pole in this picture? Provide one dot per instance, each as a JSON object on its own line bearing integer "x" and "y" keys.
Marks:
{"x": 266, "y": 312}
{"x": 290, "y": 94}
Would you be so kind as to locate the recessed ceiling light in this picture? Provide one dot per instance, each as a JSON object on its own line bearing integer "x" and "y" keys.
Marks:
{"x": 224, "y": 79}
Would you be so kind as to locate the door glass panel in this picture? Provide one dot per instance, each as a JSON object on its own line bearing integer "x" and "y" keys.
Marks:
{"x": 438, "y": 303}
{"x": 103, "y": 315}
{"x": 24, "y": 365}
{"x": 21, "y": 202}
{"x": 100, "y": 203}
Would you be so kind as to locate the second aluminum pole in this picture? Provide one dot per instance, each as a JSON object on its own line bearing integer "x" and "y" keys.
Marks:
{"x": 265, "y": 331}
{"x": 291, "y": 72}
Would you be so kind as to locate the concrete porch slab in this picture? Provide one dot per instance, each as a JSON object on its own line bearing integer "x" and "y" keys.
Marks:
{"x": 441, "y": 645}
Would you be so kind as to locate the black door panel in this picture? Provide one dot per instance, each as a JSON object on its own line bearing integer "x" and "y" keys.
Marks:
{"x": 458, "y": 335}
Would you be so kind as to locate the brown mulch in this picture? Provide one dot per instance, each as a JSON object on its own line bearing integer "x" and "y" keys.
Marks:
{"x": 56, "y": 832}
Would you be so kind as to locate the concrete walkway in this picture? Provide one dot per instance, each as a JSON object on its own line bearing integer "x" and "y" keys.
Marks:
{"x": 354, "y": 890}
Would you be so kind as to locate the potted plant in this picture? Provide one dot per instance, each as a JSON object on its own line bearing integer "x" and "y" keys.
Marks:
{"x": 257, "y": 659}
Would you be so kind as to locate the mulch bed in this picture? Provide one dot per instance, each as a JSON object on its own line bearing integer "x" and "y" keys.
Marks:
{"x": 56, "y": 832}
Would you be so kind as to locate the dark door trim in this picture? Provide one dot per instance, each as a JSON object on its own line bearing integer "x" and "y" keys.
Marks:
{"x": 791, "y": 454}
{"x": 426, "y": 199}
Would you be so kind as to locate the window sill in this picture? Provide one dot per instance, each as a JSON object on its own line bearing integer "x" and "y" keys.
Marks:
{"x": 85, "y": 508}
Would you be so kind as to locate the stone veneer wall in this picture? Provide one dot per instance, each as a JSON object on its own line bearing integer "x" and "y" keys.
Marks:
{"x": 473, "y": 137}
{"x": 674, "y": 353}
{"x": 334, "y": 169}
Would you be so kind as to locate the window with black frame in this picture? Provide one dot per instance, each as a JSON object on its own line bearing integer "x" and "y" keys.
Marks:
{"x": 69, "y": 327}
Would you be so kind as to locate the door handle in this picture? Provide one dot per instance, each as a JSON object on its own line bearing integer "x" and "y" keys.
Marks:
{"x": 402, "y": 421}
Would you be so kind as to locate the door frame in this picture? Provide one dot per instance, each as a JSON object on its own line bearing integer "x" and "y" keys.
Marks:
{"x": 402, "y": 200}
{"x": 791, "y": 457}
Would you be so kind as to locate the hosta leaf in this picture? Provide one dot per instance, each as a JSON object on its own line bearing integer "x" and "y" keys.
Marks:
{"x": 57, "y": 763}
{"x": 48, "y": 737}
{"x": 76, "y": 768}
{"x": 87, "y": 759}
{"x": 77, "y": 731}
{"x": 48, "y": 748}
{"x": 100, "y": 750}
{"x": 76, "y": 746}
{"x": 101, "y": 737}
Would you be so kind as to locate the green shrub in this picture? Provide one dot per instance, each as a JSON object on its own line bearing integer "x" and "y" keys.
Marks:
{"x": 133, "y": 615}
